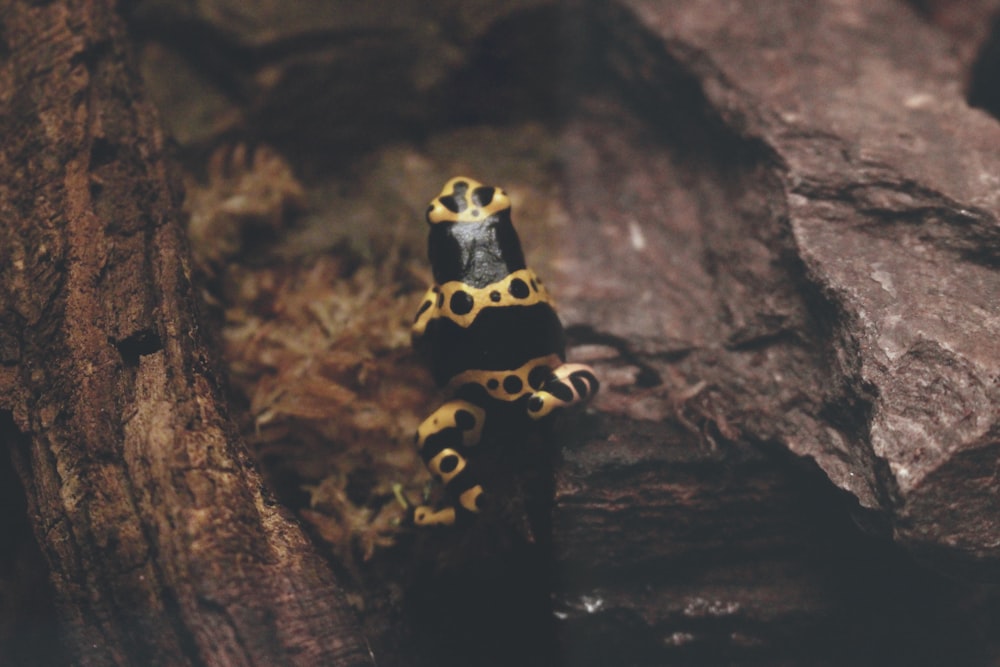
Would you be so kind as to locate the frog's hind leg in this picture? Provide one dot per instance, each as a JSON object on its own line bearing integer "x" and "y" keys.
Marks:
{"x": 444, "y": 440}
{"x": 570, "y": 384}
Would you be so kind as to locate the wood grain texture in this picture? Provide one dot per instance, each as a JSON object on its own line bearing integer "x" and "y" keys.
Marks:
{"x": 163, "y": 546}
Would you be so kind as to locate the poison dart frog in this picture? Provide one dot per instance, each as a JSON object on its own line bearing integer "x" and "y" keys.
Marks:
{"x": 493, "y": 340}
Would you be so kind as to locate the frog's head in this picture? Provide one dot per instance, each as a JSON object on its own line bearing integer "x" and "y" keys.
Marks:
{"x": 466, "y": 200}
{"x": 472, "y": 239}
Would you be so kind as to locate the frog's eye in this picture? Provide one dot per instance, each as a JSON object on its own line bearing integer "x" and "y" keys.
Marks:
{"x": 446, "y": 208}
{"x": 453, "y": 203}
{"x": 483, "y": 196}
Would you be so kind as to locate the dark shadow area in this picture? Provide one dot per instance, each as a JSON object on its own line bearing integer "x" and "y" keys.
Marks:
{"x": 533, "y": 65}
{"x": 28, "y": 627}
{"x": 984, "y": 82}
{"x": 824, "y": 592}
{"x": 889, "y": 609}
{"x": 492, "y": 610}
{"x": 341, "y": 95}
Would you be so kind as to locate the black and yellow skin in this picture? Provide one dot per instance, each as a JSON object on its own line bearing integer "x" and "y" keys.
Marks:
{"x": 493, "y": 339}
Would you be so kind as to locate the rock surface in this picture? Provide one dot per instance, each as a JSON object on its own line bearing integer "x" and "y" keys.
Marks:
{"x": 821, "y": 206}
{"x": 887, "y": 185}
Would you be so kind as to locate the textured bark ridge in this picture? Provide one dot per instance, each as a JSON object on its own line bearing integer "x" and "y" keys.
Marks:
{"x": 162, "y": 546}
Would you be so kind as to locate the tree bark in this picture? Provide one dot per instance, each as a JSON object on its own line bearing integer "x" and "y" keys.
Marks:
{"x": 162, "y": 544}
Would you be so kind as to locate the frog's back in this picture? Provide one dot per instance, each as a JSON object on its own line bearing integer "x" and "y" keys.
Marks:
{"x": 487, "y": 312}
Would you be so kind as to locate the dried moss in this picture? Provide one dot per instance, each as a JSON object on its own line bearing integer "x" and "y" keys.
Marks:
{"x": 318, "y": 285}
{"x": 318, "y": 347}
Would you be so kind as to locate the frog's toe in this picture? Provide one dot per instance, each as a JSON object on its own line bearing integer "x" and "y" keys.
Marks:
{"x": 425, "y": 516}
{"x": 571, "y": 384}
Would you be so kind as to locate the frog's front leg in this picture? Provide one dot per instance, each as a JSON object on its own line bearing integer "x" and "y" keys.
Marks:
{"x": 570, "y": 384}
{"x": 428, "y": 310}
{"x": 444, "y": 440}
